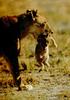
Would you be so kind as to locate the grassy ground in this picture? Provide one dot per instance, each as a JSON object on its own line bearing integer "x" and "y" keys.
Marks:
{"x": 53, "y": 84}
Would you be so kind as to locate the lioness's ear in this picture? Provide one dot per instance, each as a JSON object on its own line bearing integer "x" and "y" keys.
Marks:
{"x": 28, "y": 11}
{"x": 34, "y": 12}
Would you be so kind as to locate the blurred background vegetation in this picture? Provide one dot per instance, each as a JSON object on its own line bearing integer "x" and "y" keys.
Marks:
{"x": 56, "y": 11}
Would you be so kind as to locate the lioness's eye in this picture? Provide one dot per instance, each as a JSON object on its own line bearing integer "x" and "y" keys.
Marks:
{"x": 42, "y": 25}
{"x": 46, "y": 30}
